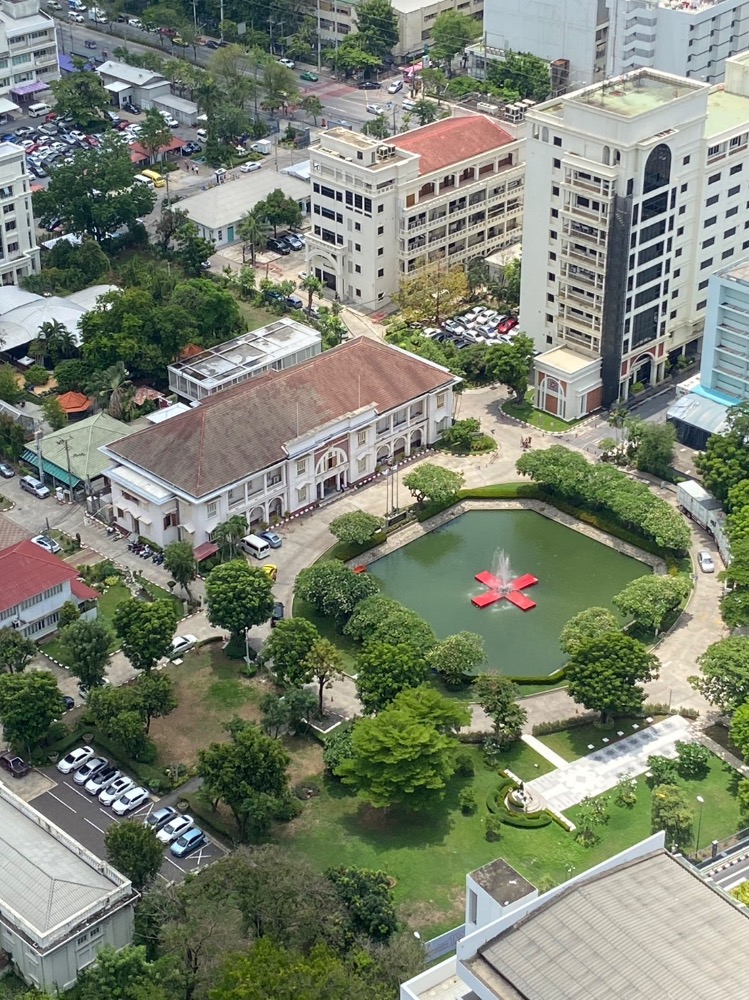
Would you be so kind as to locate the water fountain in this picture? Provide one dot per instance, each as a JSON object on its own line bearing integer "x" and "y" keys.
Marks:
{"x": 501, "y": 584}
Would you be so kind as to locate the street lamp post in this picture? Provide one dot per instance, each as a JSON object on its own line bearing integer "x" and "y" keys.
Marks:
{"x": 699, "y": 824}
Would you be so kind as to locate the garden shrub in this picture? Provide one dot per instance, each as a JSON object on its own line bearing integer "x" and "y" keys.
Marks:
{"x": 560, "y": 725}
{"x": 235, "y": 648}
{"x": 663, "y": 771}
{"x": 493, "y": 825}
{"x": 338, "y": 748}
{"x": 464, "y": 765}
{"x": 467, "y": 800}
{"x": 693, "y": 760}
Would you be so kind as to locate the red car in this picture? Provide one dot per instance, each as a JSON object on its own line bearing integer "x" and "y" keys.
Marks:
{"x": 507, "y": 324}
{"x": 52, "y": 116}
{"x": 91, "y": 141}
{"x": 168, "y": 32}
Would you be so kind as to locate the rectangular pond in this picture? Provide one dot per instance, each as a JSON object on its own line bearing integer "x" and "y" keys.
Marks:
{"x": 434, "y": 576}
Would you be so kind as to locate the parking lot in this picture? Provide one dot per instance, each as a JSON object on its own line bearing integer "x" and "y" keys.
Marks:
{"x": 85, "y": 819}
{"x": 480, "y": 325}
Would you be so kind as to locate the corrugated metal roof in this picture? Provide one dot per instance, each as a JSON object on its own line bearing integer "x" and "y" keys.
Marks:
{"x": 647, "y": 930}
{"x": 699, "y": 411}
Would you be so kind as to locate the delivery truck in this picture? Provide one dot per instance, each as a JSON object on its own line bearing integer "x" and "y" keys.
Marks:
{"x": 706, "y": 511}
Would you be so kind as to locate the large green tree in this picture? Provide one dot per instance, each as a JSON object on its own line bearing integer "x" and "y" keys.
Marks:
{"x": 29, "y": 704}
{"x": 238, "y": 596}
{"x": 670, "y": 812}
{"x": 498, "y": 696}
{"x": 739, "y": 731}
{"x": 179, "y": 560}
{"x": 95, "y": 194}
{"x": 124, "y": 975}
{"x": 146, "y": 630}
{"x": 377, "y": 25}
{"x": 725, "y": 460}
{"x": 653, "y": 445}
{"x": 650, "y": 599}
{"x": 584, "y": 626}
{"x": 154, "y": 696}
{"x": 279, "y": 209}
{"x": 133, "y": 849}
{"x": 452, "y": 32}
{"x": 520, "y": 75}
{"x": 288, "y": 646}
{"x": 457, "y": 657}
{"x": 325, "y": 664}
{"x": 400, "y": 756}
{"x": 154, "y": 133}
{"x": 724, "y": 673}
{"x": 383, "y": 670}
{"x": 430, "y": 483}
{"x": 604, "y": 674}
{"x": 355, "y": 527}
{"x": 82, "y": 96}
{"x": 379, "y": 619}
{"x": 87, "y": 646}
{"x": 15, "y": 650}
{"x": 333, "y": 589}
{"x": 512, "y": 364}
{"x": 214, "y": 309}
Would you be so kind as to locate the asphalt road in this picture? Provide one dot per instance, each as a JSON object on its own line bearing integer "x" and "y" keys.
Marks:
{"x": 86, "y": 820}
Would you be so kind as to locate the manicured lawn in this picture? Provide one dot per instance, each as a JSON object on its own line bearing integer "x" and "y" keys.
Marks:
{"x": 537, "y": 418}
{"x": 210, "y": 691}
{"x": 253, "y": 316}
{"x": 430, "y": 853}
{"x": 575, "y": 742}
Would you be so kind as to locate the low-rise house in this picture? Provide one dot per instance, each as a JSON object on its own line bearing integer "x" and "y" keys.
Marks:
{"x": 34, "y": 585}
{"x": 280, "y": 443}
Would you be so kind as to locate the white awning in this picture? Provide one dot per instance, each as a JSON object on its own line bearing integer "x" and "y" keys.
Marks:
{"x": 7, "y": 106}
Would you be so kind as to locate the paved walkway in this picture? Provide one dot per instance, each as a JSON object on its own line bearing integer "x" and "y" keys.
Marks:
{"x": 572, "y": 781}
{"x": 542, "y": 750}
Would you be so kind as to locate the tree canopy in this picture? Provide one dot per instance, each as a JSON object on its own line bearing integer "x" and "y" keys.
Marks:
{"x": 238, "y": 596}
{"x": 650, "y": 599}
{"x": 132, "y": 848}
{"x": 724, "y": 673}
{"x": 429, "y": 483}
{"x": 725, "y": 460}
{"x": 355, "y": 527}
{"x": 603, "y": 674}
{"x": 383, "y": 670}
{"x": 87, "y": 646}
{"x": 498, "y": 696}
{"x": 15, "y": 650}
{"x": 288, "y": 646}
{"x": 457, "y": 657}
{"x": 584, "y": 626}
{"x": 333, "y": 589}
{"x": 29, "y": 704}
{"x": 452, "y": 32}
{"x": 82, "y": 96}
{"x": 432, "y": 293}
{"x": 146, "y": 630}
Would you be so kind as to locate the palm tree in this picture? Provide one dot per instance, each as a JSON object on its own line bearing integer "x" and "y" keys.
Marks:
{"x": 253, "y": 229}
{"x": 312, "y": 286}
{"x": 228, "y": 534}
{"x": 53, "y": 335}
{"x": 207, "y": 95}
{"x": 111, "y": 388}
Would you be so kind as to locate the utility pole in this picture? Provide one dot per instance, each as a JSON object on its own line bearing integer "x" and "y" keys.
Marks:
{"x": 319, "y": 41}
{"x": 221, "y": 24}
{"x": 195, "y": 12}
{"x": 38, "y": 435}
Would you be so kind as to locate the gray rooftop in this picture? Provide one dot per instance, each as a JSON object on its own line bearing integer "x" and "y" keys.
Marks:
{"x": 225, "y": 204}
{"x": 648, "y": 929}
{"x": 46, "y": 878}
{"x": 502, "y": 882}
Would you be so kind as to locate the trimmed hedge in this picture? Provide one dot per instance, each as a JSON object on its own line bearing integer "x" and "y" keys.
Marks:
{"x": 496, "y": 805}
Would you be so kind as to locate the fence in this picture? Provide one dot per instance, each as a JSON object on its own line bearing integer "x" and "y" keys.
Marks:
{"x": 443, "y": 944}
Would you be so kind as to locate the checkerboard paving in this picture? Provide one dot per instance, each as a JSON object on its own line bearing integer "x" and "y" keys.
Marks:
{"x": 603, "y": 769}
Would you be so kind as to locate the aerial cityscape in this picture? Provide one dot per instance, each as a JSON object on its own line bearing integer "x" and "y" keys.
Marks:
{"x": 374, "y": 500}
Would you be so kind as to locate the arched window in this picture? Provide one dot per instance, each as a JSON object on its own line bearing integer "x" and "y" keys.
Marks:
{"x": 544, "y": 134}
{"x": 606, "y": 155}
{"x": 657, "y": 169}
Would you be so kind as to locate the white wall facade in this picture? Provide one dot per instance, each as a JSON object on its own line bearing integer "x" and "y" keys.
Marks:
{"x": 319, "y": 464}
{"x": 28, "y": 47}
{"x": 39, "y": 614}
{"x": 19, "y": 254}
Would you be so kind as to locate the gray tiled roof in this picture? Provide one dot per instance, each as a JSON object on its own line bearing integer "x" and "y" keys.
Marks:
{"x": 41, "y": 878}
{"x": 648, "y": 930}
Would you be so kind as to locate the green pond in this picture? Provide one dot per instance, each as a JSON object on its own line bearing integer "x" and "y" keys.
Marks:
{"x": 434, "y": 575}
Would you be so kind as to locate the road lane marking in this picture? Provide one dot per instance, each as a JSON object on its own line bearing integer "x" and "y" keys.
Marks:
{"x": 52, "y": 794}
{"x": 90, "y": 823}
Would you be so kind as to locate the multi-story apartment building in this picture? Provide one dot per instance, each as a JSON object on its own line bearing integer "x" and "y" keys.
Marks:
{"x": 279, "y": 444}
{"x": 691, "y": 38}
{"x": 449, "y": 191}
{"x": 416, "y": 18}
{"x": 725, "y": 352}
{"x": 19, "y": 254}
{"x": 638, "y": 196}
{"x": 28, "y": 52}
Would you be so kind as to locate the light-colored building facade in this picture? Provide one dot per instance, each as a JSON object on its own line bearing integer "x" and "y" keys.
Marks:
{"x": 602, "y": 38}
{"x": 725, "y": 351}
{"x": 28, "y": 52}
{"x": 279, "y": 444}
{"x": 19, "y": 254}
{"x": 59, "y": 904}
{"x": 142, "y": 87}
{"x": 638, "y": 196}
{"x": 448, "y": 192}
{"x": 273, "y": 347}
{"x": 34, "y": 585}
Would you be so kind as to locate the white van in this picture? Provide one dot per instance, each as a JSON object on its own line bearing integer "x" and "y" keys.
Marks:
{"x": 142, "y": 179}
{"x": 255, "y": 546}
{"x": 37, "y": 110}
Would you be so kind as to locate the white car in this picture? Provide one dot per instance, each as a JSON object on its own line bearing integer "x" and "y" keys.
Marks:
{"x": 135, "y": 22}
{"x": 706, "y": 562}
{"x": 408, "y": 104}
{"x": 78, "y": 18}
{"x": 375, "y": 109}
{"x": 75, "y": 759}
{"x": 247, "y": 168}
{"x": 115, "y": 790}
{"x": 181, "y": 644}
{"x": 132, "y": 799}
{"x": 45, "y": 542}
{"x": 169, "y": 119}
{"x": 104, "y": 779}
{"x": 90, "y": 769}
{"x": 288, "y": 63}
{"x": 395, "y": 86}
{"x": 174, "y": 829}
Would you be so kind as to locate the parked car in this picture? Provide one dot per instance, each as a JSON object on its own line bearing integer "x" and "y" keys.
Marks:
{"x": 370, "y": 85}
{"x": 104, "y": 779}
{"x": 15, "y": 766}
{"x": 34, "y": 486}
{"x": 5, "y": 471}
{"x": 247, "y": 168}
{"x": 24, "y": 131}
{"x": 90, "y": 769}
{"x": 131, "y": 108}
{"x": 132, "y": 799}
{"x": 275, "y": 541}
{"x": 174, "y": 828}
{"x": 408, "y": 103}
{"x": 279, "y": 245}
{"x": 288, "y": 63}
{"x": 72, "y": 16}
{"x": 507, "y": 324}
{"x": 75, "y": 759}
{"x": 181, "y": 644}
{"x": 375, "y": 109}
{"x": 294, "y": 241}
{"x": 45, "y": 542}
{"x": 188, "y": 842}
{"x": 706, "y": 562}
{"x": 68, "y": 702}
{"x": 293, "y": 302}
{"x": 160, "y": 817}
{"x": 309, "y": 76}
{"x": 115, "y": 790}
{"x": 190, "y": 148}
{"x": 395, "y": 86}
{"x": 276, "y": 614}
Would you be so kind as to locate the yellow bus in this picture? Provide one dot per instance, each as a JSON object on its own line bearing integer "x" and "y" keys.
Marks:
{"x": 158, "y": 180}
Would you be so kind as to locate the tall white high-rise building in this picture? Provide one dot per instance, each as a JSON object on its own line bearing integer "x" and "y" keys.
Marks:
{"x": 19, "y": 254}
{"x": 28, "y": 52}
{"x": 636, "y": 194}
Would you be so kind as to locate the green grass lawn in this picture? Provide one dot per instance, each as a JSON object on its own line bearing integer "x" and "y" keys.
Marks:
{"x": 575, "y": 742}
{"x": 537, "y": 418}
{"x": 254, "y": 316}
{"x": 429, "y": 853}
{"x": 346, "y": 646}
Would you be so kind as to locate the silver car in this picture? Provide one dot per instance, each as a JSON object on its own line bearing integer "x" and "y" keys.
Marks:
{"x": 102, "y": 780}
{"x": 115, "y": 790}
{"x": 706, "y": 563}
{"x": 90, "y": 769}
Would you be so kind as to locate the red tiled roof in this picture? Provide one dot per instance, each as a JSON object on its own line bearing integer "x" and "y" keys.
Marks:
{"x": 27, "y": 569}
{"x": 244, "y": 429}
{"x": 175, "y": 143}
{"x": 190, "y": 351}
{"x": 74, "y": 402}
{"x": 11, "y": 533}
{"x": 451, "y": 140}
{"x": 83, "y": 592}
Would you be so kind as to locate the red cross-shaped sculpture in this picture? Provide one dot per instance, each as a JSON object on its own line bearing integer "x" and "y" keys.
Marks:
{"x": 512, "y": 593}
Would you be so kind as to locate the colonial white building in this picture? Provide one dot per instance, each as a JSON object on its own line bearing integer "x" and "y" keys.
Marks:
{"x": 28, "y": 53}
{"x": 280, "y": 443}
{"x": 450, "y": 191}
{"x": 34, "y": 585}
{"x": 638, "y": 197}
{"x": 19, "y": 254}
{"x": 59, "y": 904}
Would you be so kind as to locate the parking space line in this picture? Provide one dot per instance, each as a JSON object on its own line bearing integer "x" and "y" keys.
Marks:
{"x": 82, "y": 794}
{"x": 101, "y": 810}
{"x": 90, "y": 823}
{"x": 52, "y": 794}
{"x": 183, "y": 870}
